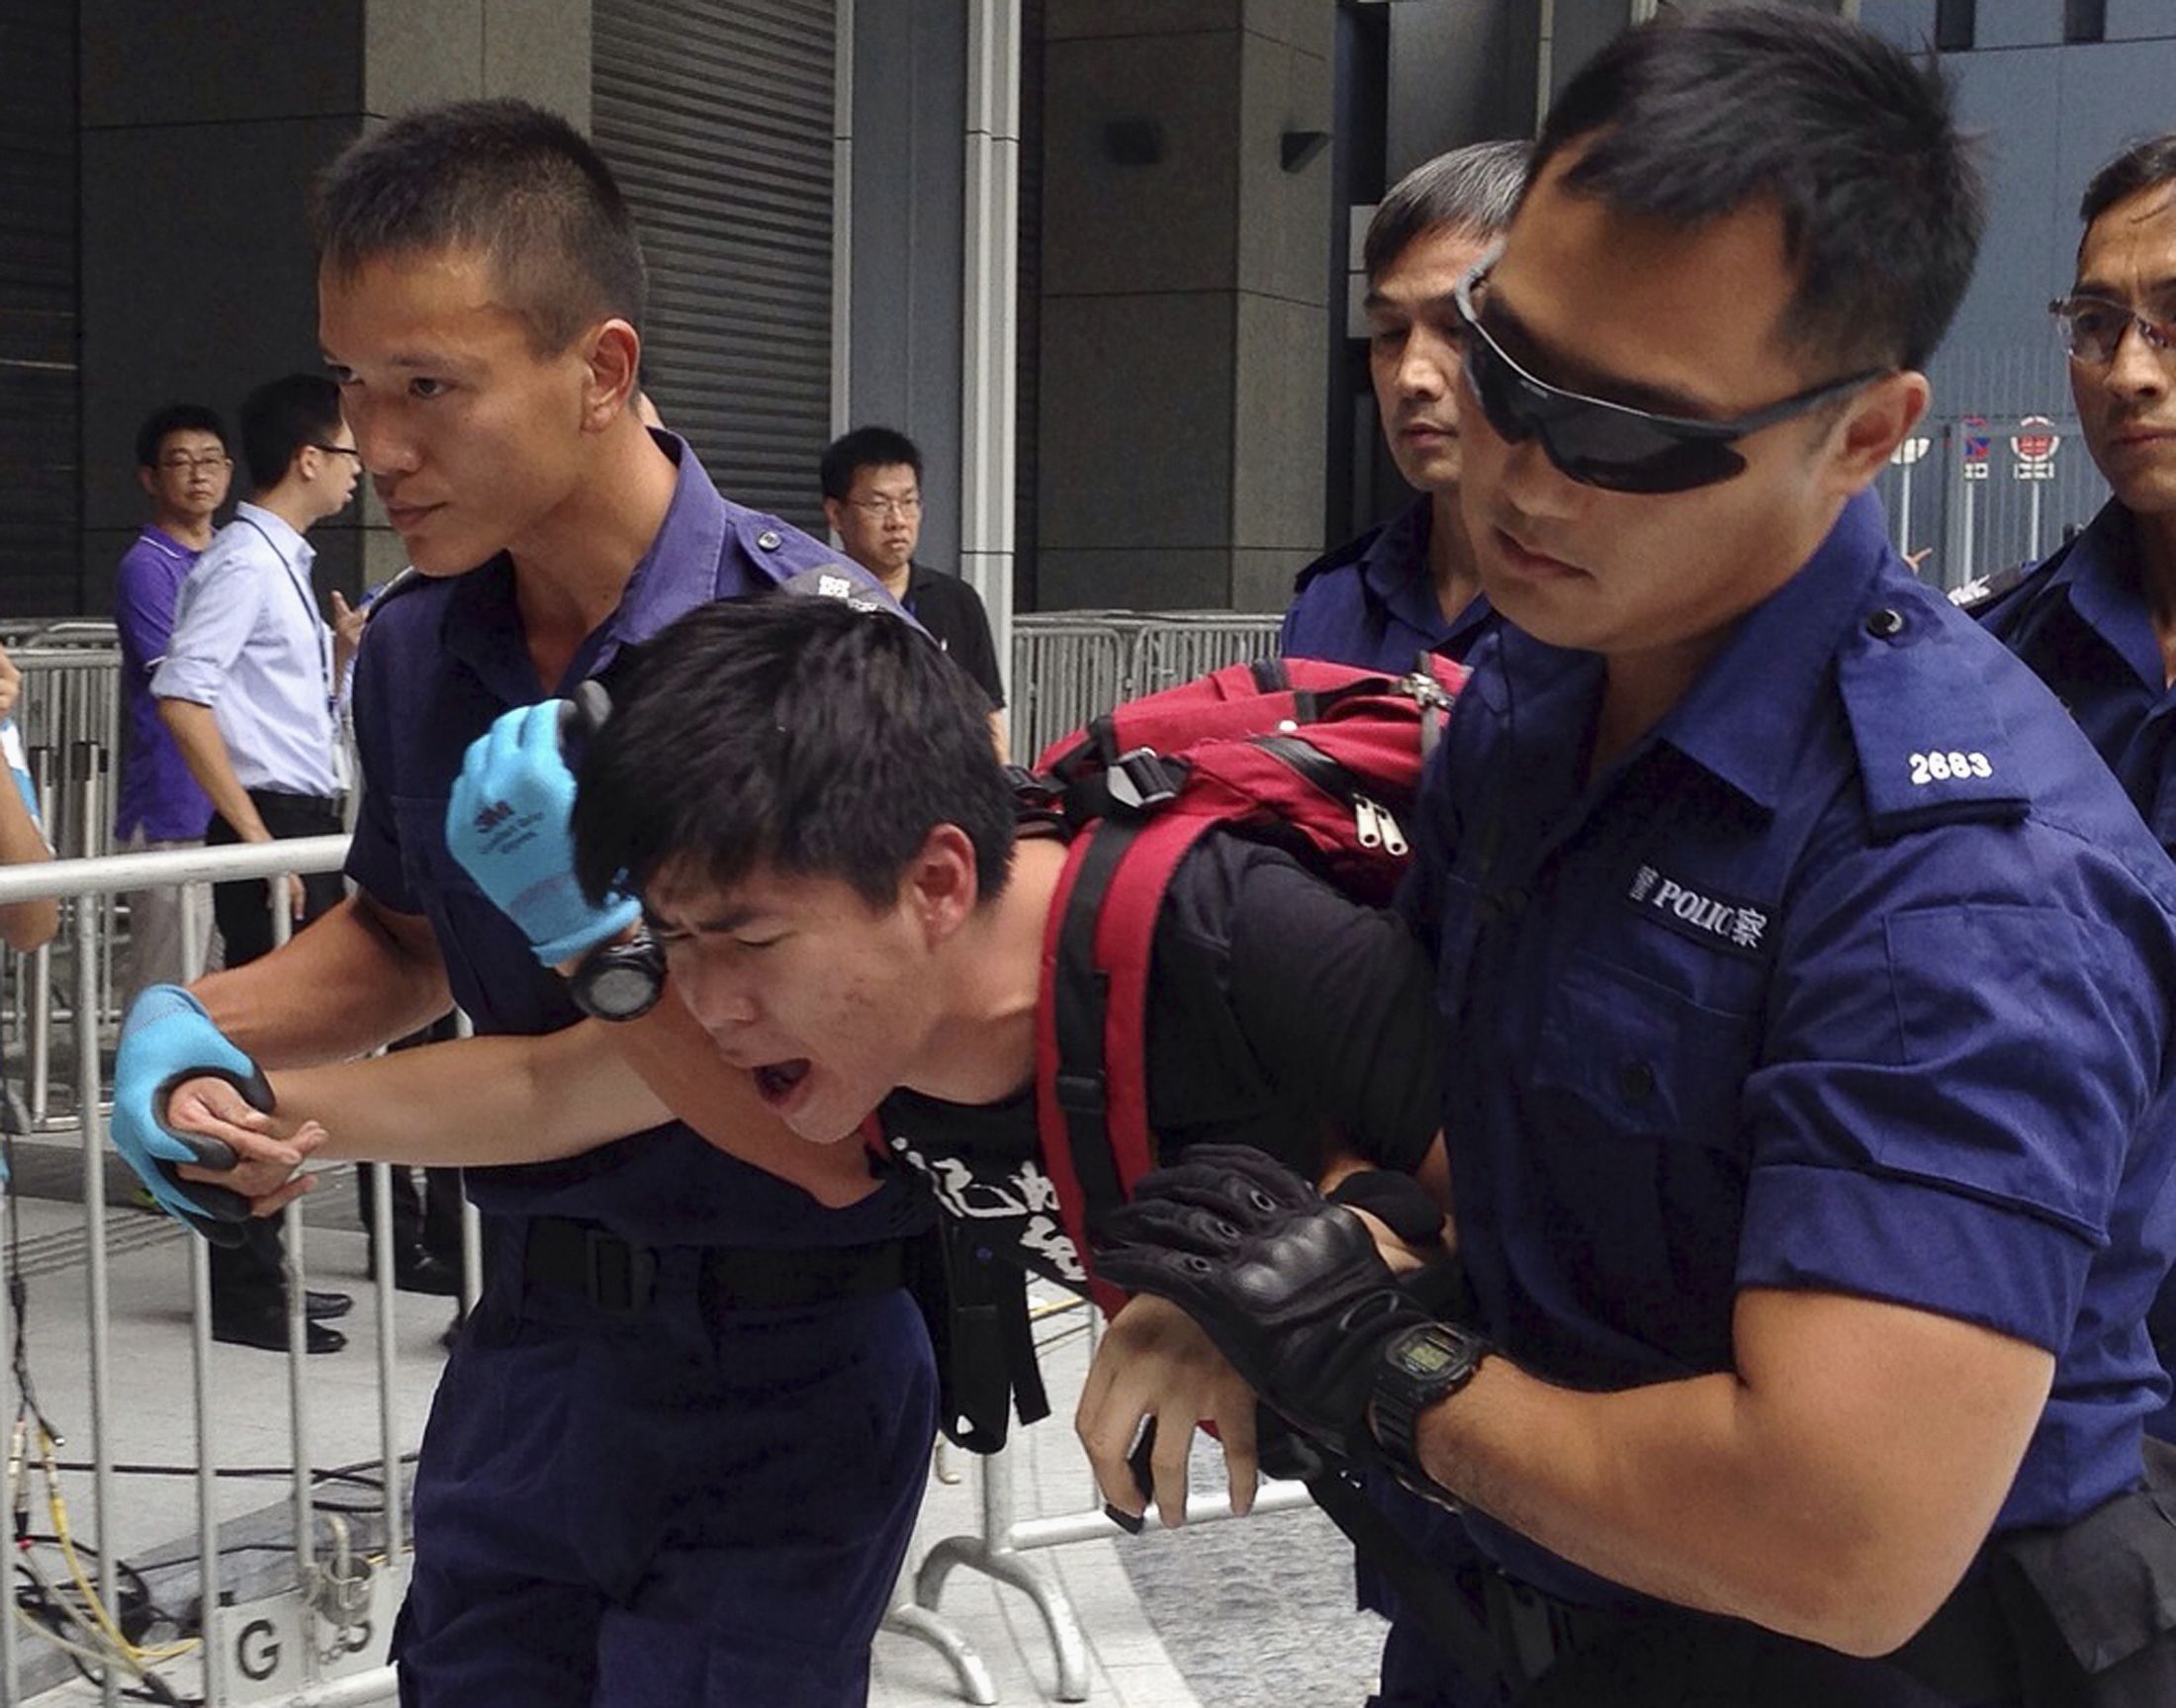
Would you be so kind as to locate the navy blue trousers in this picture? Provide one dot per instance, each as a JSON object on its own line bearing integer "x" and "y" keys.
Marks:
{"x": 658, "y": 1509}
{"x": 1678, "y": 1661}
{"x": 1416, "y": 1672}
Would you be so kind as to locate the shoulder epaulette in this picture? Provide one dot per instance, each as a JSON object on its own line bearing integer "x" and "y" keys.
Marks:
{"x": 1932, "y": 746}
{"x": 1351, "y": 552}
{"x": 778, "y": 549}
{"x": 1976, "y": 599}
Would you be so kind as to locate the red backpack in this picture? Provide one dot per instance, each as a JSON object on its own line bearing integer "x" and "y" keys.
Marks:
{"x": 1321, "y": 760}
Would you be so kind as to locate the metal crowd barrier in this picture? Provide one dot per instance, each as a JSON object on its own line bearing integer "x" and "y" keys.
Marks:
{"x": 1001, "y": 1547}
{"x": 70, "y": 716}
{"x": 1073, "y": 665}
{"x": 70, "y": 701}
{"x": 333, "y": 1599}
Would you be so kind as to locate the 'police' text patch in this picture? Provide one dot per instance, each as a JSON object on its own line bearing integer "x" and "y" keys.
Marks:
{"x": 1706, "y": 917}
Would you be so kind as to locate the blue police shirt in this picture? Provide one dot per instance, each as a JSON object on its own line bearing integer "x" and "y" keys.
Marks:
{"x": 1852, "y": 975}
{"x": 1372, "y": 603}
{"x": 2081, "y": 621}
{"x": 443, "y": 658}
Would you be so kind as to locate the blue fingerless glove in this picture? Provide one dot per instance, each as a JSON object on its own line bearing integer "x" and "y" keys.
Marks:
{"x": 167, "y": 1039}
{"x": 509, "y": 823}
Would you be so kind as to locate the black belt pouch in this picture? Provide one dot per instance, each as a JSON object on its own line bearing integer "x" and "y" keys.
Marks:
{"x": 976, "y": 1310}
{"x": 2092, "y": 1606}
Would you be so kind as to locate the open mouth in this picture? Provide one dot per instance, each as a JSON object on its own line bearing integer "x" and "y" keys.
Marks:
{"x": 778, "y": 1081}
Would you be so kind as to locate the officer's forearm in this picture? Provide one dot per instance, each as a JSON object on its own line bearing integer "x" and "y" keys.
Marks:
{"x": 472, "y": 1103}
{"x": 356, "y": 978}
{"x": 1834, "y": 1489}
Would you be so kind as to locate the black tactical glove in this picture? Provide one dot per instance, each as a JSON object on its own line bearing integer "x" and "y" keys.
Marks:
{"x": 1288, "y": 1286}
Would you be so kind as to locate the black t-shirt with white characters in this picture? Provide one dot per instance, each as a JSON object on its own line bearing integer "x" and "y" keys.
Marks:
{"x": 1280, "y": 1013}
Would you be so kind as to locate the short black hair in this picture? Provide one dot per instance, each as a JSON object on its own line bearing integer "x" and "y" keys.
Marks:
{"x": 280, "y": 417}
{"x": 807, "y": 734}
{"x": 501, "y": 177}
{"x": 177, "y": 418}
{"x": 865, "y": 448}
{"x": 2144, "y": 165}
{"x": 1474, "y": 189}
{"x": 1696, "y": 116}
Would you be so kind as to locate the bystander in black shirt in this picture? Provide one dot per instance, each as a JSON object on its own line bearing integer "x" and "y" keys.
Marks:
{"x": 951, "y": 611}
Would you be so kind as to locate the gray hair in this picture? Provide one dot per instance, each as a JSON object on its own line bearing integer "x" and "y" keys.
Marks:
{"x": 1471, "y": 189}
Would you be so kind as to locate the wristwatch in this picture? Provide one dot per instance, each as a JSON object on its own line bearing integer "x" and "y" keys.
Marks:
{"x": 619, "y": 981}
{"x": 1418, "y": 1368}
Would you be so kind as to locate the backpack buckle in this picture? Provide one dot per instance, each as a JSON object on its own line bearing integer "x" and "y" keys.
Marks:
{"x": 1141, "y": 780}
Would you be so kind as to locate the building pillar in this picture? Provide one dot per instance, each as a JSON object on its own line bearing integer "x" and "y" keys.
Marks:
{"x": 989, "y": 288}
{"x": 1185, "y": 276}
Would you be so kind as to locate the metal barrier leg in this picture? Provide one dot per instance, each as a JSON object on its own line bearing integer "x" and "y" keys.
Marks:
{"x": 210, "y": 1573}
{"x": 94, "y": 1228}
{"x": 969, "y": 1672}
{"x": 10, "y": 1401}
{"x": 380, "y": 1263}
{"x": 993, "y": 1555}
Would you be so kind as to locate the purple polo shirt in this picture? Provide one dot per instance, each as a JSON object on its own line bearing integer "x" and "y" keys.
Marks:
{"x": 157, "y": 792}
{"x": 442, "y": 659}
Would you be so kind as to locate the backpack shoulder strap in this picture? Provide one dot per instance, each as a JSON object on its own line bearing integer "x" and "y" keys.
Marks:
{"x": 1091, "y": 1044}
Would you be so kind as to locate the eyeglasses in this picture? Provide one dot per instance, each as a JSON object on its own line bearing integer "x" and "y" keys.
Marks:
{"x": 884, "y": 507}
{"x": 2092, "y": 329}
{"x": 339, "y": 451}
{"x": 1608, "y": 445}
{"x": 177, "y": 464}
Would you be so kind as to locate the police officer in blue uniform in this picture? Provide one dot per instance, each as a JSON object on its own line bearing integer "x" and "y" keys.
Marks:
{"x": 2096, "y": 620}
{"x": 1804, "y": 983}
{"x": 678, "y": 1452}
{"x": 1407, "y": 586}
{"x": 1404, "y": 588}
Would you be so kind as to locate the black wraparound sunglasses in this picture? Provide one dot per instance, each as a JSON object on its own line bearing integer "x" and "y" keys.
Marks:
{"x": 1613, "y": 445}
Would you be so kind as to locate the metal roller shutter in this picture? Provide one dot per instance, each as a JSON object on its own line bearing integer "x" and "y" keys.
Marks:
{"x": 40, "y": 563}
{"x": 717, "y": 116}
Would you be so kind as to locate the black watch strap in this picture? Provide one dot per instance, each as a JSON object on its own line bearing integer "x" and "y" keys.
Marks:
{"x": 1419, "y": 1368}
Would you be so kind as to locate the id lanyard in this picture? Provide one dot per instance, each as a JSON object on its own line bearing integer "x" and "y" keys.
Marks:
{"x": 318, "y": 627}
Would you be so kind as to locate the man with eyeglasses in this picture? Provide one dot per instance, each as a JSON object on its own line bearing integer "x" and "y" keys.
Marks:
{"x": 1409, "y": 586}
{"x": 2096, "y": 620}
{"x": 1804, "y": 983}
{"x": 184, "y": 466}
{"x": 248, "y": 689}
{"x": 873, "y": 499}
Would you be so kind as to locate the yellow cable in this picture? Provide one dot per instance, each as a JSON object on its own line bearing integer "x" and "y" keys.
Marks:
{"x": 137, "y": 1657}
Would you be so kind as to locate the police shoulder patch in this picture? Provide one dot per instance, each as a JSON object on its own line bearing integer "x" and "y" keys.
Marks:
{"x": 1932, "y": 746}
